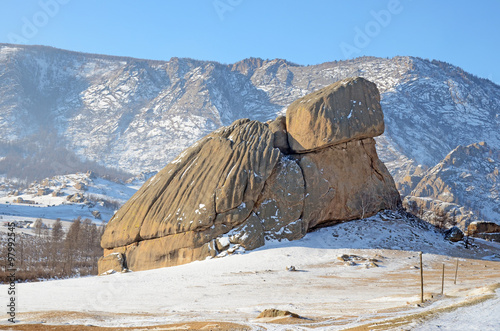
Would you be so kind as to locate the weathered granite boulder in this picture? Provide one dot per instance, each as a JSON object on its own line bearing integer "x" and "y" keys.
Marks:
{"x": 439, "y": 213}
{"x": 271, "y": 313}
{"x": 250, "y": 234}
{"x": 210, "y": 187}
{"x": 43, "y": 191}
{"x": 57, "y": 193}
{"x": 76, "y": 198}
{"x": 80, "y": 186}
{"x": 96, "y": 214}
{"x": 242, "y": 184}
{"x": 453, "y": 234}
{"x": 476, "y": 228}
{"x": 343, "y": 111}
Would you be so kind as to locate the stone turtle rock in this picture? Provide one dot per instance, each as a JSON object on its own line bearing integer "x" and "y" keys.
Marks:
{"x": 242, "y": 185}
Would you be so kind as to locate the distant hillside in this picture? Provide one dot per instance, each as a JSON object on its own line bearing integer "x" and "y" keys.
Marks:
{"x": 463, "y": 187}
{"x": 66, "y": 197}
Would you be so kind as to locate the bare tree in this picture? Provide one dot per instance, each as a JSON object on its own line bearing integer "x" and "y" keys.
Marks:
{"x": 55, "y": 244}
{"x": 38, "y": 226}
{"x": 71, "y": 244}
{"x": 53, "y": 255}
{"x": 57, "y": 231}
{"x": 95, "y": 248}
{"x": 86, "y": 239}
{"x": 101, "y": 229}
{"x": 366, "y": 203}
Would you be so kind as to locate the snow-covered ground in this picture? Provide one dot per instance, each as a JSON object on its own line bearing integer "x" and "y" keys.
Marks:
{"x": 377, "y": 283}
{"x": 483, "y": 316}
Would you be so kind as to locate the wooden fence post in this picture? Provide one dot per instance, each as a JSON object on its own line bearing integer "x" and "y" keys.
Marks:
{"x": 421, "y": 279}
{"x": 442, "y": 282}
{"x": 456, "y": 272}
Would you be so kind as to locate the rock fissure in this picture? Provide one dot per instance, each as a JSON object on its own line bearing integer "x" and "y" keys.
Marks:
{"x": 252, "y": 181}
{"x": 372, "y": 163}
{"x": 301, "y": 216}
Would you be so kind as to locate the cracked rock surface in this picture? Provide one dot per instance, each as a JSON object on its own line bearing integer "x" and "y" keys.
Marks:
{"x": 246, "y": 183}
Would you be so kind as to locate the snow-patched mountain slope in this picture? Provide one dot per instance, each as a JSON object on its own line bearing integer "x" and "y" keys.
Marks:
{"x": 139, "y": 114}
{"x": 469, "y": 177}
{"x": 66, "y": 197}
{"x": 439, "y": 107}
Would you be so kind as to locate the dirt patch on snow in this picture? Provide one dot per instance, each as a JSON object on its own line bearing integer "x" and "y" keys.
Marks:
{"x": 215, "y": 326}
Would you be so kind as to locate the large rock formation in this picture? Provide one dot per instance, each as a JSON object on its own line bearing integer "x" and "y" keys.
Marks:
{"x": 484, "y": 230}
{"x": 252, "y": 181}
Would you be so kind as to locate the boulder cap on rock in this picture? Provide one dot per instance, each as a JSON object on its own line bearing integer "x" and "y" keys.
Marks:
{"x": 346, "y": 110}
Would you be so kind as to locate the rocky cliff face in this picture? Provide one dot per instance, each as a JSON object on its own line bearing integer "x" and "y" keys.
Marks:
{"x": 448, "y": 193}
{"x": 245, "y": 183}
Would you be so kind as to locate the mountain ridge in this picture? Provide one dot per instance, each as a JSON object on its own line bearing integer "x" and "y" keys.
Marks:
{"x": 182, "y": 67}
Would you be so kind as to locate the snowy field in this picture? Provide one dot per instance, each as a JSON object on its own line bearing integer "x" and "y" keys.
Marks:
{"x": 355, "y": 274}
{"x": 483, "y": 316}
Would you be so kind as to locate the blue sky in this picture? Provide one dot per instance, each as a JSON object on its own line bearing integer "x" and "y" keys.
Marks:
{"x": 464, "y": 33}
